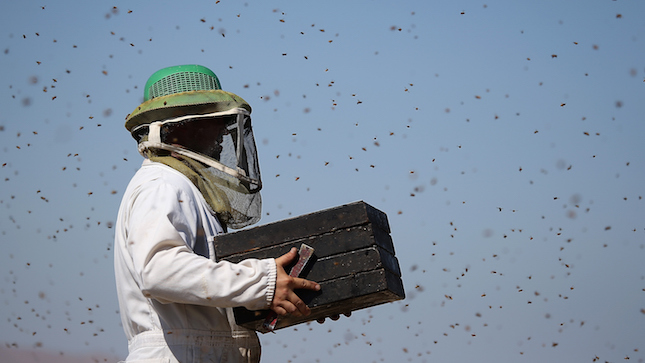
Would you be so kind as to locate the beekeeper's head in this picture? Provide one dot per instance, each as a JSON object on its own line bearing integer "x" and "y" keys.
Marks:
{"x": 186, "y": 116}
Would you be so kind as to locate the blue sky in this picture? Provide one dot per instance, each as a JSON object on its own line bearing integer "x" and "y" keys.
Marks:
{"x": 502, "y": 138}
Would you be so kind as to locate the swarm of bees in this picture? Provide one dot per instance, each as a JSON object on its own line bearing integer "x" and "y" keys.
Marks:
{"x": 503, "y": 184}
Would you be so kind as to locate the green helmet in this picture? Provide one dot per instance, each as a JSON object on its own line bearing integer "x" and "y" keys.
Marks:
{"x": 179, "y": 79}
{"x": 180, "y": 90}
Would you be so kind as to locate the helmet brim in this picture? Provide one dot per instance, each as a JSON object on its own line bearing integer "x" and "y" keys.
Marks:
{"x": 178, "y": 104}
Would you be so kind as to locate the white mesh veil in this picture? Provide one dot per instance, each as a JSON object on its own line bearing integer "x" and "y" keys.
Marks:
{"x": 217, "y": 152}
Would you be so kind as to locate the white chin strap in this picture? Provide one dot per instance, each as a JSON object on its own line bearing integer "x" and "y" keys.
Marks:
{"x": 154, "y": 142}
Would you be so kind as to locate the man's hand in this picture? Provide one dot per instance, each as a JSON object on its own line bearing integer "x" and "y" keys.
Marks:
{"x": 285, "y": 301}
{"x": 333, "y": 317}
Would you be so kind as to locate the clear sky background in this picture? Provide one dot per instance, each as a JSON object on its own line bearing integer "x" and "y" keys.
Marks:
{"x": 504, "y": 139}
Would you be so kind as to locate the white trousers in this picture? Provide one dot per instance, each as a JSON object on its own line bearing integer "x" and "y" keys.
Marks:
{"x": 193, "y": 346}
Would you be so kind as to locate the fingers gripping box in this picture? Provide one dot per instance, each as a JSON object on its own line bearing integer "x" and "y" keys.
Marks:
{"x": 353, "y": 261}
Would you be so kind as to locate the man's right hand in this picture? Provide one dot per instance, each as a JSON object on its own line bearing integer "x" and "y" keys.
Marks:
{"x": 285, "y": 301}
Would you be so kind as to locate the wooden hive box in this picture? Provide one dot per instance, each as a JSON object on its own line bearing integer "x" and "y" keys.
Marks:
{"x": 353, "y": 262}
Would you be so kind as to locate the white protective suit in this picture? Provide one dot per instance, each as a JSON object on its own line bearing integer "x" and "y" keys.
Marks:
{"x": 174, "y": 298}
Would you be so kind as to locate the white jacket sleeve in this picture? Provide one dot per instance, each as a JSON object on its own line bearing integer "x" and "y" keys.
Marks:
{"x": 160, "y": 235}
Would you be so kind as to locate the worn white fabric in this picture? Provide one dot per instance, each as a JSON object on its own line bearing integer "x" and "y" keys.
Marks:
{"x": 174, "y": 298}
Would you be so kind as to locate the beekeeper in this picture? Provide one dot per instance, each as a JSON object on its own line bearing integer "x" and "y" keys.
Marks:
{"x": 200, "y": 176}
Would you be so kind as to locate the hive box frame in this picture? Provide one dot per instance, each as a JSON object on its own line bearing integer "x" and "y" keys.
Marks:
{"x": 354, "y": 260}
